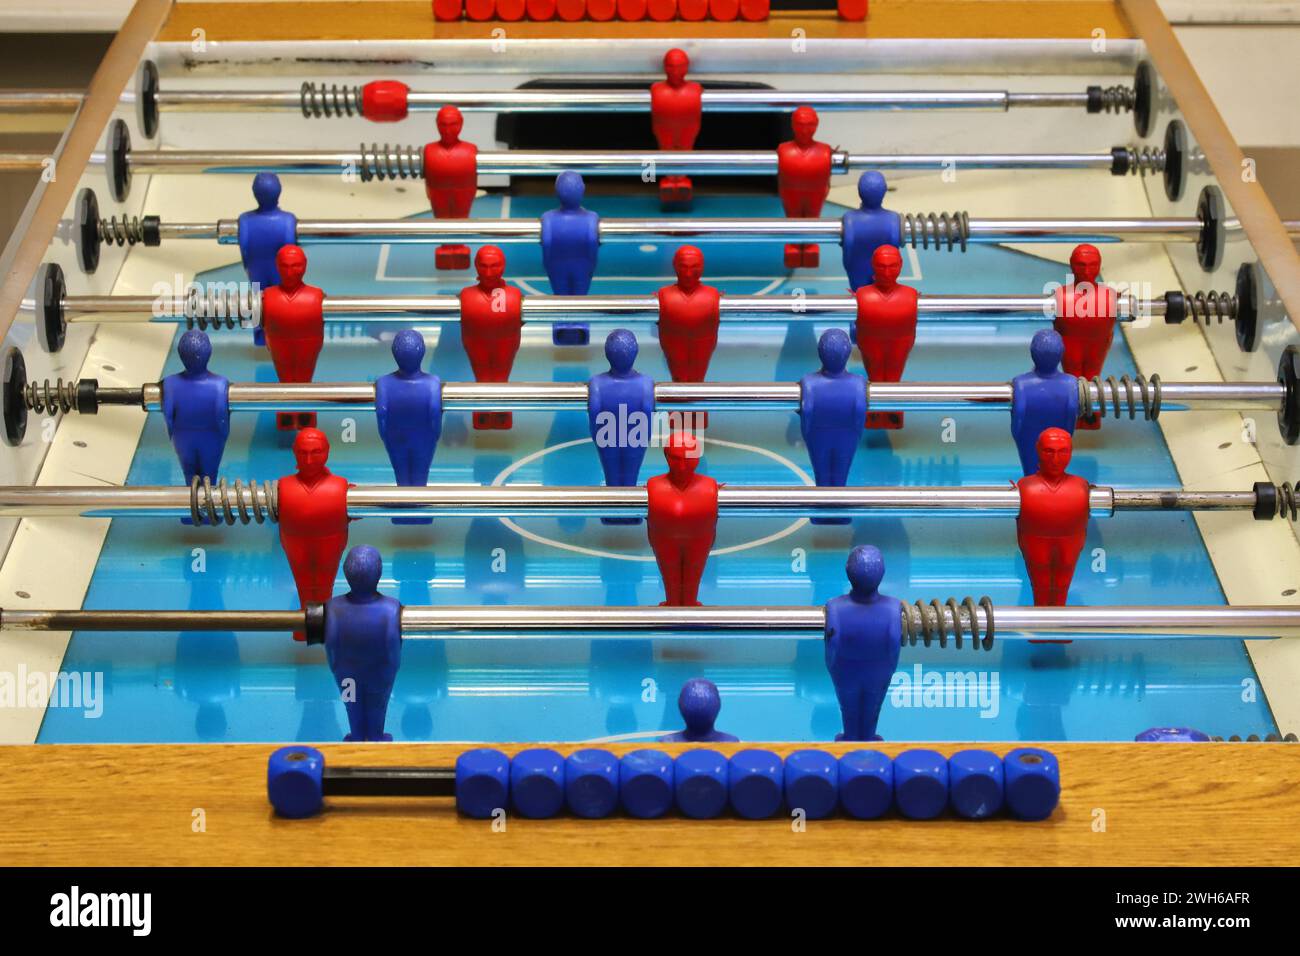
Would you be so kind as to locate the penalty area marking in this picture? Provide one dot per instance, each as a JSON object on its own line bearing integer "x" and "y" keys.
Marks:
{"x": 794, "y": 526}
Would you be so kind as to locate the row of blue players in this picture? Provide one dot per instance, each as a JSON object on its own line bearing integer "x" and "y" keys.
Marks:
{"x": 570, "y": 238}
{"x": 408, "y": 408}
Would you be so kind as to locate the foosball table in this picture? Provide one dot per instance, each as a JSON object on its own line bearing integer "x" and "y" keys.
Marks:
{"x": 696, "y": 425}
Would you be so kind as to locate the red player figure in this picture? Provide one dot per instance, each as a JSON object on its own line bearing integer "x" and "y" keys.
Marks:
{"x": 675, "y": 119}
{"x": 1053, "y": 521}
{"x": 886, "y": 327}
{"x": 1086, "y": 311}
{"x": 313, "y": 519}
{"x": 450, "y": 180}
{"x": 491, "y": 316}
{"x": 682, "y": 521}
{"x": 803, "y": 178}
{"x": 294, "y": 322}
{"x": 688, "y": 321}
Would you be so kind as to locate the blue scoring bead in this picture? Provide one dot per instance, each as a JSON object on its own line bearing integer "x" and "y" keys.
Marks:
{"x": 293, "y": 781}
{"x": 701, "y": 783}
{"x": 1033, "y": 782}
{"x": 591, "y": 783}
{"x": 866, "y": 784}
{"x": 921, "y": 784}
{"x": 754, "y": 782}
{"x": 645, "y": 783}
{"x": 482, "y": 782}
{"x": 975, "y": 787}
{"x": 812, "y": 783}
{"x": 537, "y": 783}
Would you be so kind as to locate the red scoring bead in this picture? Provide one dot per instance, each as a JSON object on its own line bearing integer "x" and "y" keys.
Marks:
{"x": 511, "y": 10}
{"x": 541, "y": 9}
{"x": 692, "y": 9}
{"x": 852, "y": 9}
{"x": 754, "y": 9}
{"x": 571, "y": 10}
{"x": 724, "y": 10}
{"x": 601, "y": 10}
{"x": 446, "y": 10}
{"x": 384, "y": 101}
{"x": 661, "y": 10}
{"x": 631, "y": 10}
{"x": 480, "y": 9}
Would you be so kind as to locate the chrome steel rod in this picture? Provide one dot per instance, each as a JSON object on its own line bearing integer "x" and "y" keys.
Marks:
{"x": 369, "y": 501}
{"x": 552, "y": 308}
{"x": 625, "y": 101}
{"x": 406, "y": 162}
{"x": 226, "y": 231}
{"x": 39, "y": 101}
{"x": 448, "y": 622}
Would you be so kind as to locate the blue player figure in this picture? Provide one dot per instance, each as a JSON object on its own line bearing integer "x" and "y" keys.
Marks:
{"x": 620, "y": 410}
{"x": 262, "y": 231}
{"x": 570, "y": 242}
{"x": 832, "y": 411}
{"x": 1042, "y": 399}
{"x": 866, "y": 229}
{"x": 863, "y": 635}
{"x": 363, "y": 643}
{"x": 196, "y": 409}
{"x": 699, "y": 703}
{"x": 408, "y": 408}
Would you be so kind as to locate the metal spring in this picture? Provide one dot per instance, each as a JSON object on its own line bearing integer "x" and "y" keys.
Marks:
{"x": 1288, "y": 507}
{"x": 1255, "y": 739}
{"x": 1121, "y": 394}
{"x": 223, "y": 503}
{"x": 121, "y": 232}
{"x": 54, "y": 397}
{"x": 330, "y": 99}
{"x": 934, "y": 622}
{"x": 1118, "y": 99}
{"x": 391, "y": 162}
{"x": 1145, "y": 160}
{"x": 950, "y": 229}
{"x": 1207, "y": 307}
{"x": 218, "y": 306}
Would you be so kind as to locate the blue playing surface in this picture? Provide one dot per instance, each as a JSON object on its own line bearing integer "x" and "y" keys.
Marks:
{"x": 264, "y": 687}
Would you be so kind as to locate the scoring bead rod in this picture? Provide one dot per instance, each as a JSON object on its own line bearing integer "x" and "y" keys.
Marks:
{"x": 932, "y": 623}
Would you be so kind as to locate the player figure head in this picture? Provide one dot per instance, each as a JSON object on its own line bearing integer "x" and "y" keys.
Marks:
{"x": 194, "y": 349}
{"x": 699, "y": 703}
{"x": 1085, "y": 263}
{"x": 291, "y": 263}
{"x": 311, "y": 450}
{"x": 886, "y": 267}
{"x": 408, "y": 350}
{"x": 682, "y": 452}
{"x": 834, "y": 348}
{"x": 676, "y": 63}
{"x": 569, "y": 189}
{"x": 1055, "y": 446}
{"x": 490, "y": 262}
{"x": 871, "y": 189}
{"x": 688, "y": 263}
{"x": 620, "y": 350}
{"x": 450, "y": 123}
{"x": 866, "y": 569}
{"x": 266, "y": 190}
{"x": 1046, "y": 349}
{"x": 363, "y": 567}
{"x": 804, "y": 125}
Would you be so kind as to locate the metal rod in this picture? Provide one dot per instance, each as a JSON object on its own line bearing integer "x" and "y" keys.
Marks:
{"x": 406, "y": 162}
{"x": 1265, "y": 621}
{"x": 343, "y": 99}
{"x": 39, "y": 101}
{"x": 218, "y": 305}
{"x": 373, "y": 501}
